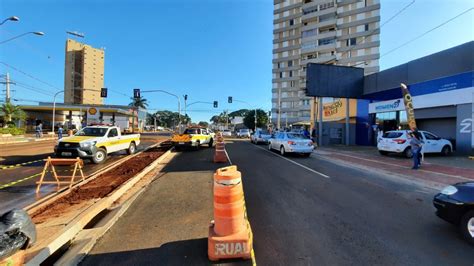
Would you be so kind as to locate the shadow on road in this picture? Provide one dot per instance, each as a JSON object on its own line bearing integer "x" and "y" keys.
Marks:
{"x": 184, "y": 252}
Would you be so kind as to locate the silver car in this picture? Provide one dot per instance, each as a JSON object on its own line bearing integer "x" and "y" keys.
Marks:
{"x": 290, "y": 142}
{"x": 243, "y": 133}
{"x": 260, "y": 136}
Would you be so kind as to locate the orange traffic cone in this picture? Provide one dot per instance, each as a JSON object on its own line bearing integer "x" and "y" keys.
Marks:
{"x": 230, "y": 235}
{"x": 220, "y": 155}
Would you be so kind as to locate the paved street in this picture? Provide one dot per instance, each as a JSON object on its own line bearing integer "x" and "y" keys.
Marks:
{"x": 18, "y": 184}
{"x": 303, "y": 211}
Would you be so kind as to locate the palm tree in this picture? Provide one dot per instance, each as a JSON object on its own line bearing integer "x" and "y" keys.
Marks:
{"x": 11, "y": 112}
{"x": 135, "y": 105}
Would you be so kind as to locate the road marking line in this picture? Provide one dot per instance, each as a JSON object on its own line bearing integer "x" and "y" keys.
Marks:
{"x": 407, "y": 167}
{"x": 28, "y": 178}
{"x": 303, "y": 166}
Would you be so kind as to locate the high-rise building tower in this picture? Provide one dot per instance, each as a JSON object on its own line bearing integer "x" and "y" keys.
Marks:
{"x": 342, "y": 32}
{"x": 84, "y": 73}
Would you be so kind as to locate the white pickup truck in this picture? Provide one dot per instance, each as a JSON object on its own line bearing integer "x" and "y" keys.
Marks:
{"x": 96, "y": 142}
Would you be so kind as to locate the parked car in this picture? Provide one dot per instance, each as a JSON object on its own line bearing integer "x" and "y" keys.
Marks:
{"x": 288, "y": 142}
{"x": 398, "y": 141}
{"x": 226, "y": 133}
{"x": 260, "y": 136}
{"x": 243, "y": 133}
{"x": 455, "y": 204}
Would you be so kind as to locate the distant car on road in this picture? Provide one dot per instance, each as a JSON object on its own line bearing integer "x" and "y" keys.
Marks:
{"x": 288, "y": 142}
{"x": 226, "y": 133}
{"x": 398, "y": 142}
{"x": 193, "y": 137}
{"x": 243, "y": 133}
{"x": 455, "y": 204}
{"x": 260, "y": 136}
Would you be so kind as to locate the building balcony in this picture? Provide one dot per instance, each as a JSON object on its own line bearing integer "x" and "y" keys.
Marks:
{"x": 318, "y": 48}
{"x": 319, "y": 60}
{"x": 316, "y": 37}
{"x": 315, "y": 14}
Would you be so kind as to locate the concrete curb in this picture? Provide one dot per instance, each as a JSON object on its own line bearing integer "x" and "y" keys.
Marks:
{"x": 73, "y": 228}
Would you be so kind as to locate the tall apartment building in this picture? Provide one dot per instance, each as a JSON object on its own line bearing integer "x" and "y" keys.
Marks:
{"x": 83, "y": 74}
{"x": 342, "y": 32}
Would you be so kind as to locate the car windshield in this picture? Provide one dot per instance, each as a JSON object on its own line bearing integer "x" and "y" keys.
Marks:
{"x": 244, "y": 130}
{"x": 392, "y": 135}
{"x": 296, "y": 136}
{"x": 92, "y": 131}
{"x": 191, "y": 131}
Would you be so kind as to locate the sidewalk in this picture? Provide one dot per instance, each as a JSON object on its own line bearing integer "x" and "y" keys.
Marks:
{"x": 436, "y": 170}
{"x": 25, "y": 138}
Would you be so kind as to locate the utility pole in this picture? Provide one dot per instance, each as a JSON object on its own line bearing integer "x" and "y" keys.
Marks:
{"x": 279, "y": 109}
{"x": 7, "y": 83}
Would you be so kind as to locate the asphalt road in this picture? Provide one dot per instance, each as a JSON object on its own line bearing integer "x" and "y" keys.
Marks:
{"x": 18, "y": 184}
{"x": 303, "y": 211}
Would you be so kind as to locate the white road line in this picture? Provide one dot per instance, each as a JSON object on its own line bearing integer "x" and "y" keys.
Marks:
{"x": 293, "y": 162}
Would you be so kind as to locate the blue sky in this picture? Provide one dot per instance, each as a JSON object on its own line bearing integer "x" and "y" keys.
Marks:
{"x": 208, "y": 49}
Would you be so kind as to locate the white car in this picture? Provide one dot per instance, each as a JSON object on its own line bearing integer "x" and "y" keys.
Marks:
{"x": 398, "y": 141}
{"x": 243, "y": 133}
{"x": 260, "y": 136}
{"x": 289, "y": 142}
{"x": 226, "y": 133}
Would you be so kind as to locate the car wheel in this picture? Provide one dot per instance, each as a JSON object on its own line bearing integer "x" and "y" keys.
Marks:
{"x": 282, "y": 150}
{"x": 99, "y": 156}
{"x": 211, "y": 142}
{"x": 408, "y": 153}
{"x": 467, "y": 226}
{"x": 446, "y": 151}
{"x": 198, "y": 145}
{"x": 306, "y": 154}
{"x": 383, "y": 152}
{"x": 132, "y": 148}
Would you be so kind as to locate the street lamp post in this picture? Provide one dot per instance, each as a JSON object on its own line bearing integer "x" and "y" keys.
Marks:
{"x": 54, "y": 108}
{"x": 39, "y": 33}
{"x": 12, "y": 18}
{"x": 179, "y": 104}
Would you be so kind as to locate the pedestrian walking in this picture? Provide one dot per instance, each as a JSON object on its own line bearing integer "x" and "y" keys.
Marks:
{"x": 60, "y": 132}
{"x": 39, "y": 130}
{"x": 415, "y": 144}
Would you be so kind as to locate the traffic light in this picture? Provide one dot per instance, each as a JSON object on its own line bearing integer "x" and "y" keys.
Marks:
{"x": 185, "y": 97}
{"x": 215, "y": 104}
{"x": 229, "y": 99}
{"x": 103, "y": 92}
{"x": 136, "y": 93}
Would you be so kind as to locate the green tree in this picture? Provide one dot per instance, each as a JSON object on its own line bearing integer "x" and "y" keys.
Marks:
{"x": 12, "y": 113}
{"x": 139, "y": 103}
{"x": 135, "y": 104}
{"x": 203, "y": 124}
{"x": 170, "y": 119}
{"x": 262, "y": 119}
{"x": 241, "y": 112}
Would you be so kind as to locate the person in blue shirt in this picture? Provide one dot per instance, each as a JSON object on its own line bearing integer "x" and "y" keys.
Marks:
{"x": 306, "y": 132}
{"x": 60, "y": 132}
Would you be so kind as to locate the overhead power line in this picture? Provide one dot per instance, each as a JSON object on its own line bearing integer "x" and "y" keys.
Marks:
{"x": 420, "y": 36}
{"x": 29, "y": 75}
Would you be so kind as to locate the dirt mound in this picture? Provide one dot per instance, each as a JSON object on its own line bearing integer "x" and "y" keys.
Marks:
{"x": 101, "y": 186}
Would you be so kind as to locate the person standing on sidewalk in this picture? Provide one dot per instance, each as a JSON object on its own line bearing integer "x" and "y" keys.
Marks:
{"x": 38, "y": 130}
{"x": 60, "y": 132}
{"x": 415, "y": 144}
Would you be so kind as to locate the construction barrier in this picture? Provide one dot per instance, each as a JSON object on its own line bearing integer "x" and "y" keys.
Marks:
{"x": 220, "y": 155}
{"x": 230, "y": 235}
{"x": 51, "y": 162}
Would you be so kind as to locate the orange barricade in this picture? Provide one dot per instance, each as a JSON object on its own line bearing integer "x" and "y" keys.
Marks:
{"x": 51, "y": 162}
{"x": 230, "y": 235}
{"x": 220, "y": 155}
{"x": 220, "y": 138}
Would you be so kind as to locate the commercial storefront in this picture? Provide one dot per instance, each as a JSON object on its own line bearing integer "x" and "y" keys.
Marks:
{"x": 442, "y": 88}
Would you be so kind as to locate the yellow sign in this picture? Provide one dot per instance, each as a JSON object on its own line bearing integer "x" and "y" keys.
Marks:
{"x": 409, "y": 106}
{"x": 92, "y": 111}
{"x": 336, "y": 110}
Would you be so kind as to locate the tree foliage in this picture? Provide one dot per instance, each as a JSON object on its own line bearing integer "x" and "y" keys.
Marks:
{"x": 203, "y": 124}
{"x": 167, "y": 118}
{"x": 139, "y": 103}
{"x": 12, "y": 112}
{"x": 262, "y": 119}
